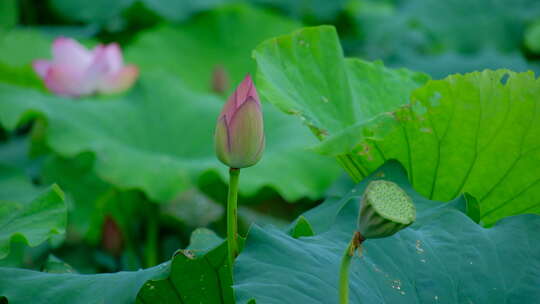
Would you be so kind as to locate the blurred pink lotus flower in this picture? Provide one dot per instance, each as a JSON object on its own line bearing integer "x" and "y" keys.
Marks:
{"x": 76, "y": 71}
{"x": 239, "y": 136}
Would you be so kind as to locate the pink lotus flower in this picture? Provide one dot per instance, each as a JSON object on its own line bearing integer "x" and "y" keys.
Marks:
{"x": 239, "y": 136}
{"x": 77, "y": 71}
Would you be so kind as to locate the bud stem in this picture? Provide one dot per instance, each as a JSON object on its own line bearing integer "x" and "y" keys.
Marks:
{"x": 354, "y": 244}
{"x": 232, "y": 217}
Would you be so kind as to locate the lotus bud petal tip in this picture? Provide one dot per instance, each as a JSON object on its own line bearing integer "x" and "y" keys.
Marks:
{"x": 385, "y": 210}
{"x": 239, "y": 136}
{"x": 76, "y": 71}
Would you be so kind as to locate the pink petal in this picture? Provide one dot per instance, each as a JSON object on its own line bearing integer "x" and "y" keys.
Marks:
{"x": 76, "y": 71}
{"x": 41, "y": 67}
{"x": 246, "y": 133}
{"x": 222, "y": 141}
{"x": 69, "y": 51}
{"x": 63, "y": 79}
{"x": 97, "y": 48}
{"x": 106, "y": 64}
{"x": 246, "y": 90}
{"x": 113, "y": 55}
{"x": 119, "y": 81}
{"x": 98, "y": 69}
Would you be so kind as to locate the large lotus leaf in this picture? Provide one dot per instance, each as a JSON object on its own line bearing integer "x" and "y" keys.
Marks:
{"x": 440, "y": 66}
{"x": 90, "y": 199}
{"x": 476, "y": 133}
{"x": 180, "y": 10}
{"x": 315, "y": 10}
{"x": 199, "y": 275}
{"x": 444, "y": 257}
{"x": 15, "y": 153}
{"x": 9, "y": 13}
{"x": 97, "y": 11}
{"x": 159, "y": 139}
{"x": 532, "y": 37}
{"x": 104, "y": 12}
{"x": 28, "y": 214}
{"x": 15, "y": 185}
{"x": 220, "y": 38}
{"x": 21, "y": 286}
{"x": 85, "y": 192}
{"x": 305, "y": 74}
{"x": 420, "y": 34}
{"x": 18, "y": 47}
{"x": 485, "y": 23}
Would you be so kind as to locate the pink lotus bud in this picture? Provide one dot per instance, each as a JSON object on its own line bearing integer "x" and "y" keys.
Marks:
{"x": 239, "y": 134}
{"x": 77, "y": 71}
{"x": 112, "y": 238}
{"x": 220, "y": 80}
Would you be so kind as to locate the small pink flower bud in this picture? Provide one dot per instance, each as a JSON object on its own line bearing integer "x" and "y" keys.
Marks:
{"x": 76, "y": 71}
{"x": 220, "y": 80}
{"x": 239, "y": 136}
{"x": 112, "y": 238}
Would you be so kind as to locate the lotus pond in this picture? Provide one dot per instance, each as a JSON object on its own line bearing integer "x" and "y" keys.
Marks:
{"x": 267, "y": 151}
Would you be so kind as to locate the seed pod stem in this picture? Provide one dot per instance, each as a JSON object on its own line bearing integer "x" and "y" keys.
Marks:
{"x": 385, "y": 209}
{"x": 354, "y": 244}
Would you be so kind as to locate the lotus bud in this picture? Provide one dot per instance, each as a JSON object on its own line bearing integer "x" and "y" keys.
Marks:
{"x": 76, "y": 71}
{"x": 385, "y": 210}
{"x": 239, "y": 135}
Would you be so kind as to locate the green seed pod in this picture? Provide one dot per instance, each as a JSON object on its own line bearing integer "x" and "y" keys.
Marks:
{"x": 385, "y": 210}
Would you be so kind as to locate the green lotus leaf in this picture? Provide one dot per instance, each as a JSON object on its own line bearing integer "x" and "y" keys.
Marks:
{"x": 20, "y": 286}
{"x": 532, "y": 37}
{"x": 438, "y": 38}
{"x": 475, "y": 133}
{"x": 159, "y": 138}
{"x": 103, "y": 12}
{"x": 219, "y": 39}
{"x": 28, "y": 214}
{"x": 199, "y": 274}
{"x": 90, "y": 199}
{"x": 442, "y": 257}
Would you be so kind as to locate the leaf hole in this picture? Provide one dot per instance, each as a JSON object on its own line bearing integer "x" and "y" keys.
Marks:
{"x": 3, "y": 300}
{"x": 504, "y": 78}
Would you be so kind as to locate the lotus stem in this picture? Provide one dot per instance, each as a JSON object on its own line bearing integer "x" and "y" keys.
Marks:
{"x": 232, "y": 216}
{"x": 354, "y": 244}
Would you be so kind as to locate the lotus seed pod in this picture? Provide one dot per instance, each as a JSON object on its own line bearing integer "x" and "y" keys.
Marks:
{"x": 385, "y": 210}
